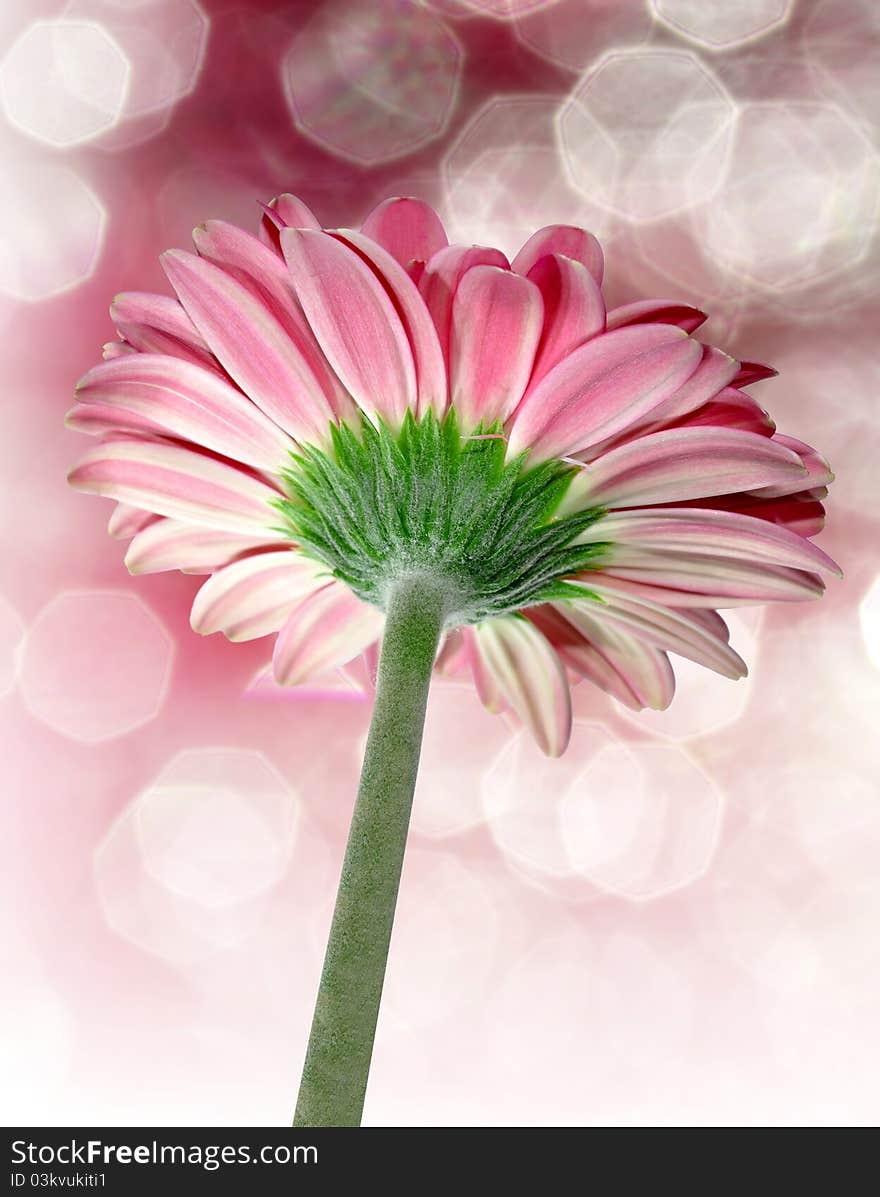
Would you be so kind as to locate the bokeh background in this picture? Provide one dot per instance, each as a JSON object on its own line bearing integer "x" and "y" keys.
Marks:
{"x": 677, "y": 923}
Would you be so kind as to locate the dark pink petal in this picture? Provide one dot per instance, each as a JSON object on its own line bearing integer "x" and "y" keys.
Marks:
{"x": 682, "y": 464}
{"x": 325, "y": 630}
{"x": 354, "y": 320}
{"x": 752, "y": 372}
{"x": 529, "y": 675}
{"x": 177, "y": 482}
{"x": 254, "y": 597}
{"x": 171, "y": 544}
{"x": 496, "y": 324}
{"x": 601, "y": 389}
{"x": 563, "y": 239}
{"x": 265, "y": 274}
{"x": 439, "y": 281}
{"x": 408, "y": 229}
{"x": 176, "y": 398}
{"x": 251, "y": 345}
{"x": 574, "y": 311}
{"x": 418, "y": 325}
{"x": 656, "y": 311}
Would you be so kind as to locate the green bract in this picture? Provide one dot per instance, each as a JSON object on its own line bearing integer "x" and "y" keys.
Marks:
{"x": 380, "y": 505}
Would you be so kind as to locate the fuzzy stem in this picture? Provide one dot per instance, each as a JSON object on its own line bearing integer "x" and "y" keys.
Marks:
{"x": 337, "y": 1064}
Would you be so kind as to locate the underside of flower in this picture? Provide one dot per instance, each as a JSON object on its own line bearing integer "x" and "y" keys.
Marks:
{"x": 319, "y": 415}
{"x": 378, "y": 506}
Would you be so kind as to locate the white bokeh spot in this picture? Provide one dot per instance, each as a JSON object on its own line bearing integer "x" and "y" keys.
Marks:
{"x": 64, "y": 82}
{"x": 669, "y": 121}
{"x": 95, "y": 665}
{"x": 721, "y": 26}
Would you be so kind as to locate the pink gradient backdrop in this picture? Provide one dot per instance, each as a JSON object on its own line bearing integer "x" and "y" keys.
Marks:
{"x": 677, "y": 923}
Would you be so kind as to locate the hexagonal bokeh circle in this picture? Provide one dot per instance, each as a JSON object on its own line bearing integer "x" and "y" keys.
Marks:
{"x": 802, "y": 198}
{"x": 372, "y": 82}
{"x": 95, "y": 665}
{"x": 634, "y": 820}
{"x": 42, "y": 258}
{"x": 186, "y": 868}
{"x": 647, "y": 132}
{"x": 64, "y": 82}
{"x": 722, "y": 26}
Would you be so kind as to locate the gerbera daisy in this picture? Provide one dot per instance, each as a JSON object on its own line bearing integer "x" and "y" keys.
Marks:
{"x": 376, "y": 435}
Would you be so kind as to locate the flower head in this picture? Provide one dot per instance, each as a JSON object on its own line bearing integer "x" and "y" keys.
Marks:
{"x": 319, "y": 413}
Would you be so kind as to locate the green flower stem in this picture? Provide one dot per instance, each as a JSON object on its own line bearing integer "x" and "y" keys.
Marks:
{"x": 337, "y": 1063}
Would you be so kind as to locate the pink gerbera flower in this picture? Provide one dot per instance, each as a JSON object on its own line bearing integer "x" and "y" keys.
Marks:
{"x": 377, "y": 435}
{"x": 662, "y": 493}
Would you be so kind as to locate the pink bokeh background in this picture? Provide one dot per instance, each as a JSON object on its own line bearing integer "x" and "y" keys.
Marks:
{"x": 674, "y": 924}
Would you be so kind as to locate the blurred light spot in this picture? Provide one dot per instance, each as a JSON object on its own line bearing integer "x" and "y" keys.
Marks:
{"x": 444, "y": 939}
{"x": 802, "y": 198}
{"x": 95, "y": 665}
{"x": 641, "y": 823}
{"x": 647, "y": 132}
{"x": 568, "y": 34}
{"x": 504, "y": 177}
{"x": 704, "y": 701}
{"x": 505, "y": 10}
{"x": 840, "y": 40}
{"x": 188, "y": 866}
{"x": 42, "y": 257}
{"x": 461, "y": 740}
{"x": 869, "y": 620}
{"x": 765, "y": 935}
{"x": 371, "y": 83}
{"x": 12, "y": 632}
{"x": 721, "y": 26}
{"x": 164, "y": 41}
{"x": 523, "y": 793}
{"x": 64, "y": 82}
{"x": 216, "y": 826}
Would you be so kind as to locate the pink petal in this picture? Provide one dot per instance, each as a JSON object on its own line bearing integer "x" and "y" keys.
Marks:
{"x": 819, "y": 473}
{"x": 325, "y": 630}
{"x": 574, "y": 311}
{"x": 253, "y": 597}
{"x": 157, "y": 314}
{"x": 183, "y": 400}
{"x": 731, "y": 408}
{"x": 496, "y": 324}
{"x": 633, "y": 672}
{"x": 530, "y": 676}
{"x": 488, "y": 690}
{"x": 706, "y": 533}
{"x": 408, "y": 229}
{"x": 672, "y": 631}
{"x": 656, "y": 311}
{"x": 601, "y": 389}
{"x": 563, "y": 239}
{"x": 177, "y": 482}
{"x": 439, "y": 281}
{"x": 251, "y": 345}
{"x": 418, "y": 325}
{"x": 354, "y": 320}
{"x": 170, "y": 544}
{"x": 282, "y": 212}
{"x": 116, "y": 349}
{"x": 684, "y": 580}
{"x": 265, "y": 274}
{"x": 682, "y": 464}
{"x": 750, "y": 372}
{"x": 126, "y": 521}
